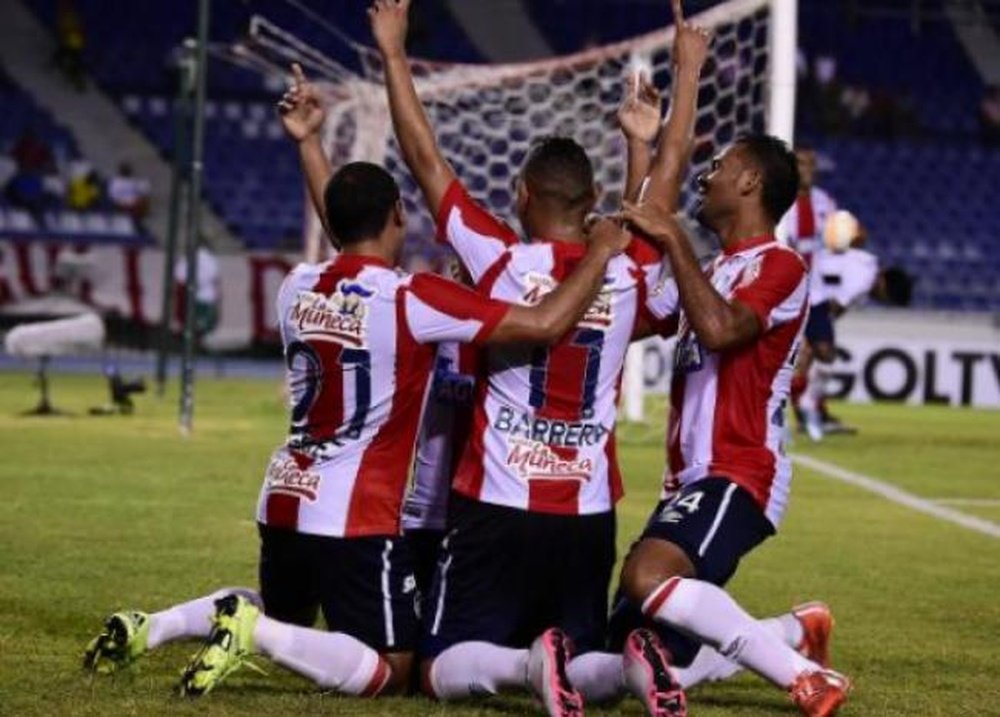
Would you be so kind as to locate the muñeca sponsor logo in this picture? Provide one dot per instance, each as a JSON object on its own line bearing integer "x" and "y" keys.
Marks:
{"x": 284, "y": 476}
{"x": 342, "y": 316}
{"x": 532, "y": 460}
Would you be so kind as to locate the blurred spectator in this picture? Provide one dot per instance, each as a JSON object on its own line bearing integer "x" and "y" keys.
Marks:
{"x": 84, "y": 188}
{"x": 207, "y": 293}
{"x": 989, "y": 116}
{"x": 31, "y": 153}
{"x": 71, "y": 42}
{"x": 25, "y": 190}
{"x": 129, "y": 193}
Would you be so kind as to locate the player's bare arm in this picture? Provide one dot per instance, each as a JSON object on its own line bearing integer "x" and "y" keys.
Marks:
{"x": 302, "y": 115}
{"x": 413, "y": 131}
{"x": 562, "y": 308}
{"x": 719, "y": 324}
{"x": 667, "y": 172}
{"x": 639, "y": 119}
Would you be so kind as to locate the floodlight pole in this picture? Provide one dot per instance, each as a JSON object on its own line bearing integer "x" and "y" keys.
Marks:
{"x": 783, "y": 72}
{"x": 194, "y": 222}
{"x": 178, "y": 191}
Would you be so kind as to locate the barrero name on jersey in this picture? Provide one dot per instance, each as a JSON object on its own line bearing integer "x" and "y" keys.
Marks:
{"x": 598, "y": 314}
{"x": 285, "y": 476}
{"x": 341, "y": 316}
{"x": 551, "y": 432}
{"x": 536, "y": 461}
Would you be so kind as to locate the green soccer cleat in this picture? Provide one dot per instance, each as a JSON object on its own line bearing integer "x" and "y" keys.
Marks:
{"x": 121, "y": 643}
{"x": 227, "y": 648}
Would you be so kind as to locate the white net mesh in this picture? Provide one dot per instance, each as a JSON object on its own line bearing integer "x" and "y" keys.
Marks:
{"x": 487, "y": 116}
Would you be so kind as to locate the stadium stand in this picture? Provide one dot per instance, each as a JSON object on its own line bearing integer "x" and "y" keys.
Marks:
{"x": 918, "y": 180}
{"x": 51, "y": 218}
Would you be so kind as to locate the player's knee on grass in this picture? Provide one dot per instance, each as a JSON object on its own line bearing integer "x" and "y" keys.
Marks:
{"x": 650, "y": 563}
{"x": 401, "y": 666}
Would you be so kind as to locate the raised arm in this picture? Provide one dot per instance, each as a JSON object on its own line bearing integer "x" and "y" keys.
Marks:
{"x": 561, "y": 309}
{"x": 718, "y": 324}
{"x": 639, "y": 118}
{"x": 668, "y": 168}
{"x": 413, "y": 131}
{"x": 302, "y": 115}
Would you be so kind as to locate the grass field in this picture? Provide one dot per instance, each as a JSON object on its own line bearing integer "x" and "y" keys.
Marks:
{"x": 102, "y": 513}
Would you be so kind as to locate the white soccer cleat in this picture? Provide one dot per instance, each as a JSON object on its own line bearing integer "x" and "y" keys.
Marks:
{"x": 547, "y": 660}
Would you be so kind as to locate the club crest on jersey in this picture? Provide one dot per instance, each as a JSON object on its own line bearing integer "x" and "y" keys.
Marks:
{"x": 598, "y": 314}
{"x": 284, "y": 476}
{"x": 532, "y": 460}
{"x": 341, "y": 316}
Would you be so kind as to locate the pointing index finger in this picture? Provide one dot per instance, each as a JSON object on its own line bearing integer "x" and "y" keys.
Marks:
{"x": 678, "y": 12}
{"x": 298, "y": 74}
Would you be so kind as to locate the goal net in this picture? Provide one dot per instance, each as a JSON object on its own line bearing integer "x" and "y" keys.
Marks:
{"x": 487, "y": 116}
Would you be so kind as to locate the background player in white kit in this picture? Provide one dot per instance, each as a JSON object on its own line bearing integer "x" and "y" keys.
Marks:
{"x": 359, "y": 342}
{"x": 802, "y": 229}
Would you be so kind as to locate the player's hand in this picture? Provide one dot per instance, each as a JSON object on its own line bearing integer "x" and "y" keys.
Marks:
{"x": 607, "y": 237}
{"x": 389, "y": 22}
{"x": 639, "y": 115}
{"x": 691, "y": 42}
{"x": 653, "y": 221}
{"x": 301, "y": 109}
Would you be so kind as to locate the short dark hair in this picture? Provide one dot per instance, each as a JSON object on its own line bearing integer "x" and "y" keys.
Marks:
{"x": 358, "y": 199}
{"x": 559, "y": 170}
{"x": 781, "y": 172}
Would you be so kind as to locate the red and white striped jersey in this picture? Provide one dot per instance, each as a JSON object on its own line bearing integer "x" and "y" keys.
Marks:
{"x": 727, "y": 408}
{"x": 543, "y": 425}
{"x": 359, "y": 348}
{"x": 444, "y": 429}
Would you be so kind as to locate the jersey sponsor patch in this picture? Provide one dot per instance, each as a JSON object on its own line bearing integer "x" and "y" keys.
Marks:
{"x": 599, "y": 314}
{"x": 532, "y": 460}
{"x": 340, "y": 317}
{"x": 285, "y": 476}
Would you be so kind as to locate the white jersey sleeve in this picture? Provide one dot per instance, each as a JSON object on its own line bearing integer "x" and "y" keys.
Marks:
{"x": 439, "y": 310}
{"x": 478, "y": 237}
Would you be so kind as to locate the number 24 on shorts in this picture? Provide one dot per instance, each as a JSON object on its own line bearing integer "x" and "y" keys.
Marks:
{"x": 674, "y": 511}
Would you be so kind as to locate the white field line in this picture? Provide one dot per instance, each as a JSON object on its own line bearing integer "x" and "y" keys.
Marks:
{"x": 899, "y": 496}
{"x": 983, "y": 502}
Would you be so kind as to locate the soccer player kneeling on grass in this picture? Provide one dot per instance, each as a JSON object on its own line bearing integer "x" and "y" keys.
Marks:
{"x": 359, "y": 341}
{"x": 740, "y": 328}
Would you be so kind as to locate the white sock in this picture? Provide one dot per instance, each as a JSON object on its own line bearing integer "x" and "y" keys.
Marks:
{"x": 599, "y": 676}
{"x": 709, "y": 666}
{"x": 190, "y": 619}
{"x": 475, "y": 668}
{"x": 815, "y": 391}
{"x": 712, "y": 616}
{"x": 332, "y": 660}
